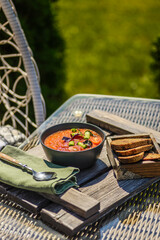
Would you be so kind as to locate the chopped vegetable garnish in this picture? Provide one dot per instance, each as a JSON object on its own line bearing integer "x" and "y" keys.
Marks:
{"x": 73, "y": 134}
{"x": 71, "y": 143}
{"x": 66, "y": 139}
{"x": 77, "y": 136}
{"x": 88, "y": 143}
{"x": 91, "y": 134}
{"x": 79, "y": 131}
{"x": 87, "y": 134}
{"x": 81, "y": 144}
{"x": 74, "y": 130}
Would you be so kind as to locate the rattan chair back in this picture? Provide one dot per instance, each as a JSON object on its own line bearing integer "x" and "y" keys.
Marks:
{"x": 21, "y": 101}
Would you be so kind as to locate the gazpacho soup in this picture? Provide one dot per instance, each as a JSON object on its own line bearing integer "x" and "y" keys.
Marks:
{"x": 73, "y": 140}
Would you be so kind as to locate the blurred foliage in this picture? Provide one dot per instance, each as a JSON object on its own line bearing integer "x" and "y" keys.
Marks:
{"x": 40, "y": 26}
{"x": 87, "y": 47}
{"x": 155, "y": 65}
{"x": 108, "y": 45}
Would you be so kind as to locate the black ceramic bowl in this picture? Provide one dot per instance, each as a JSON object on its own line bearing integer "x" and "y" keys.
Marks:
{"x": 83, "y": 159}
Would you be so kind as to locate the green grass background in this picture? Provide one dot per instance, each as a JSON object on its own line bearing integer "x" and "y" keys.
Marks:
{"x": 108, "y": 45}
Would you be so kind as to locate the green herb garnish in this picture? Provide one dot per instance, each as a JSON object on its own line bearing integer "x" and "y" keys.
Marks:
{"x": 82, "y": 144}
{"x": 71, "y": 143}
{"x": 74, "y": 130}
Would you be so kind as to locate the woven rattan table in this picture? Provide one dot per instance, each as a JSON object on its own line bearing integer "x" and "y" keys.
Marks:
{"x": 138, "y": 218}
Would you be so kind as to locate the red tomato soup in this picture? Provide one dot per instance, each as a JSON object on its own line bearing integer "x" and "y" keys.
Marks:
{"x": 73, "y": 140}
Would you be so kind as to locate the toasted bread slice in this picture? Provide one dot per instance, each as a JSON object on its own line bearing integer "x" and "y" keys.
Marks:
{"x": 152, "y": 156}
{"x": 135, "y": 150}
{"x": 131, "y": 159}
{"x": 126, "y": 143}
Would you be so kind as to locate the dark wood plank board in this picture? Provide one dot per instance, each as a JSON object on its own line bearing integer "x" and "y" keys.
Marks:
{"x": 29, "y": 200}
{"x": 117, "y": 124}
{"x": 72, "y": 199}
{"x": 102, "y": 165}
{"x": 111, "y": 192}
{"x": 79, "y": 203}
{"x": 62, "y": 219}
{"x": 138, "y": 169}
{"x": 33, "y": 202}
{"x": 3, "y": 188}
{"x": 106, "y": 189}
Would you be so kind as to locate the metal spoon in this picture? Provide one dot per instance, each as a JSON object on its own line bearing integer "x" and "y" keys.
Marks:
{"x": 38, "y": 176}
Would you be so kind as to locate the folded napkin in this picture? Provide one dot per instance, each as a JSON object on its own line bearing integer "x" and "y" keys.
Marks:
{"x": 19, "y": 178}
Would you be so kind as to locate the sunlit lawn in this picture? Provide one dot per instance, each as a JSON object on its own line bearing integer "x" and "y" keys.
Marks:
{"x": 108, "y": 45}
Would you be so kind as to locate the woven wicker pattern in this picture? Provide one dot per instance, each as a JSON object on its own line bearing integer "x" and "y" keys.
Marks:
{"x": 16, "y": 223}
{"x": 15, "y": 88}
{"x": 141, "y": 112}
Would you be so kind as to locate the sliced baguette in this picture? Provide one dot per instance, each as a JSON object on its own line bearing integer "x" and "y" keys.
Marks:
{"x": 152, "y": 156}
{"x": 131, "y": 159}
{"x": 135, "y": 150}
{"x": 126, "y": 143}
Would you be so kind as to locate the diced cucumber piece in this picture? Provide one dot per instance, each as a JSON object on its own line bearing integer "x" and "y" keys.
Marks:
{"x": 74, "y": 130}
{"x": 87, "y": 134}
{"x": 82, "y": 144}
{"x": 73, "y": 134}
{"x": 71, "y": 143}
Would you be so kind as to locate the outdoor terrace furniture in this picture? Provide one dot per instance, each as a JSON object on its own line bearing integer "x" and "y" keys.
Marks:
{"x": 133, "y": 218}
{"x": 27, "y": 215}
{"x": 19, "y": 77}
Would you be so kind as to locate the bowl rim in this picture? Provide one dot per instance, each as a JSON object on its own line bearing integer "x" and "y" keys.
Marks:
{"x": 77, "y": 152}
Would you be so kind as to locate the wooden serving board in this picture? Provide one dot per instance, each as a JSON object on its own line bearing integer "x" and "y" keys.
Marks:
{"x": 118, "y": 125}
{"x": 134, "y": 170}
{"x": 74, "y": 200}
{"x": 97, "y": 183}
{"x": 105, "y": 189}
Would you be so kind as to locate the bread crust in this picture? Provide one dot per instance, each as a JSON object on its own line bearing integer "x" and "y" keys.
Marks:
{"x": 133, "y": 151}
{"x": 131, "y": 159}
{"x": 152, "y": 156}
{"x": 127, "y": 143}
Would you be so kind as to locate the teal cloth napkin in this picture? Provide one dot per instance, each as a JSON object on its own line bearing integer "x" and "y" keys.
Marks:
{"x": 19, "y": 178}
